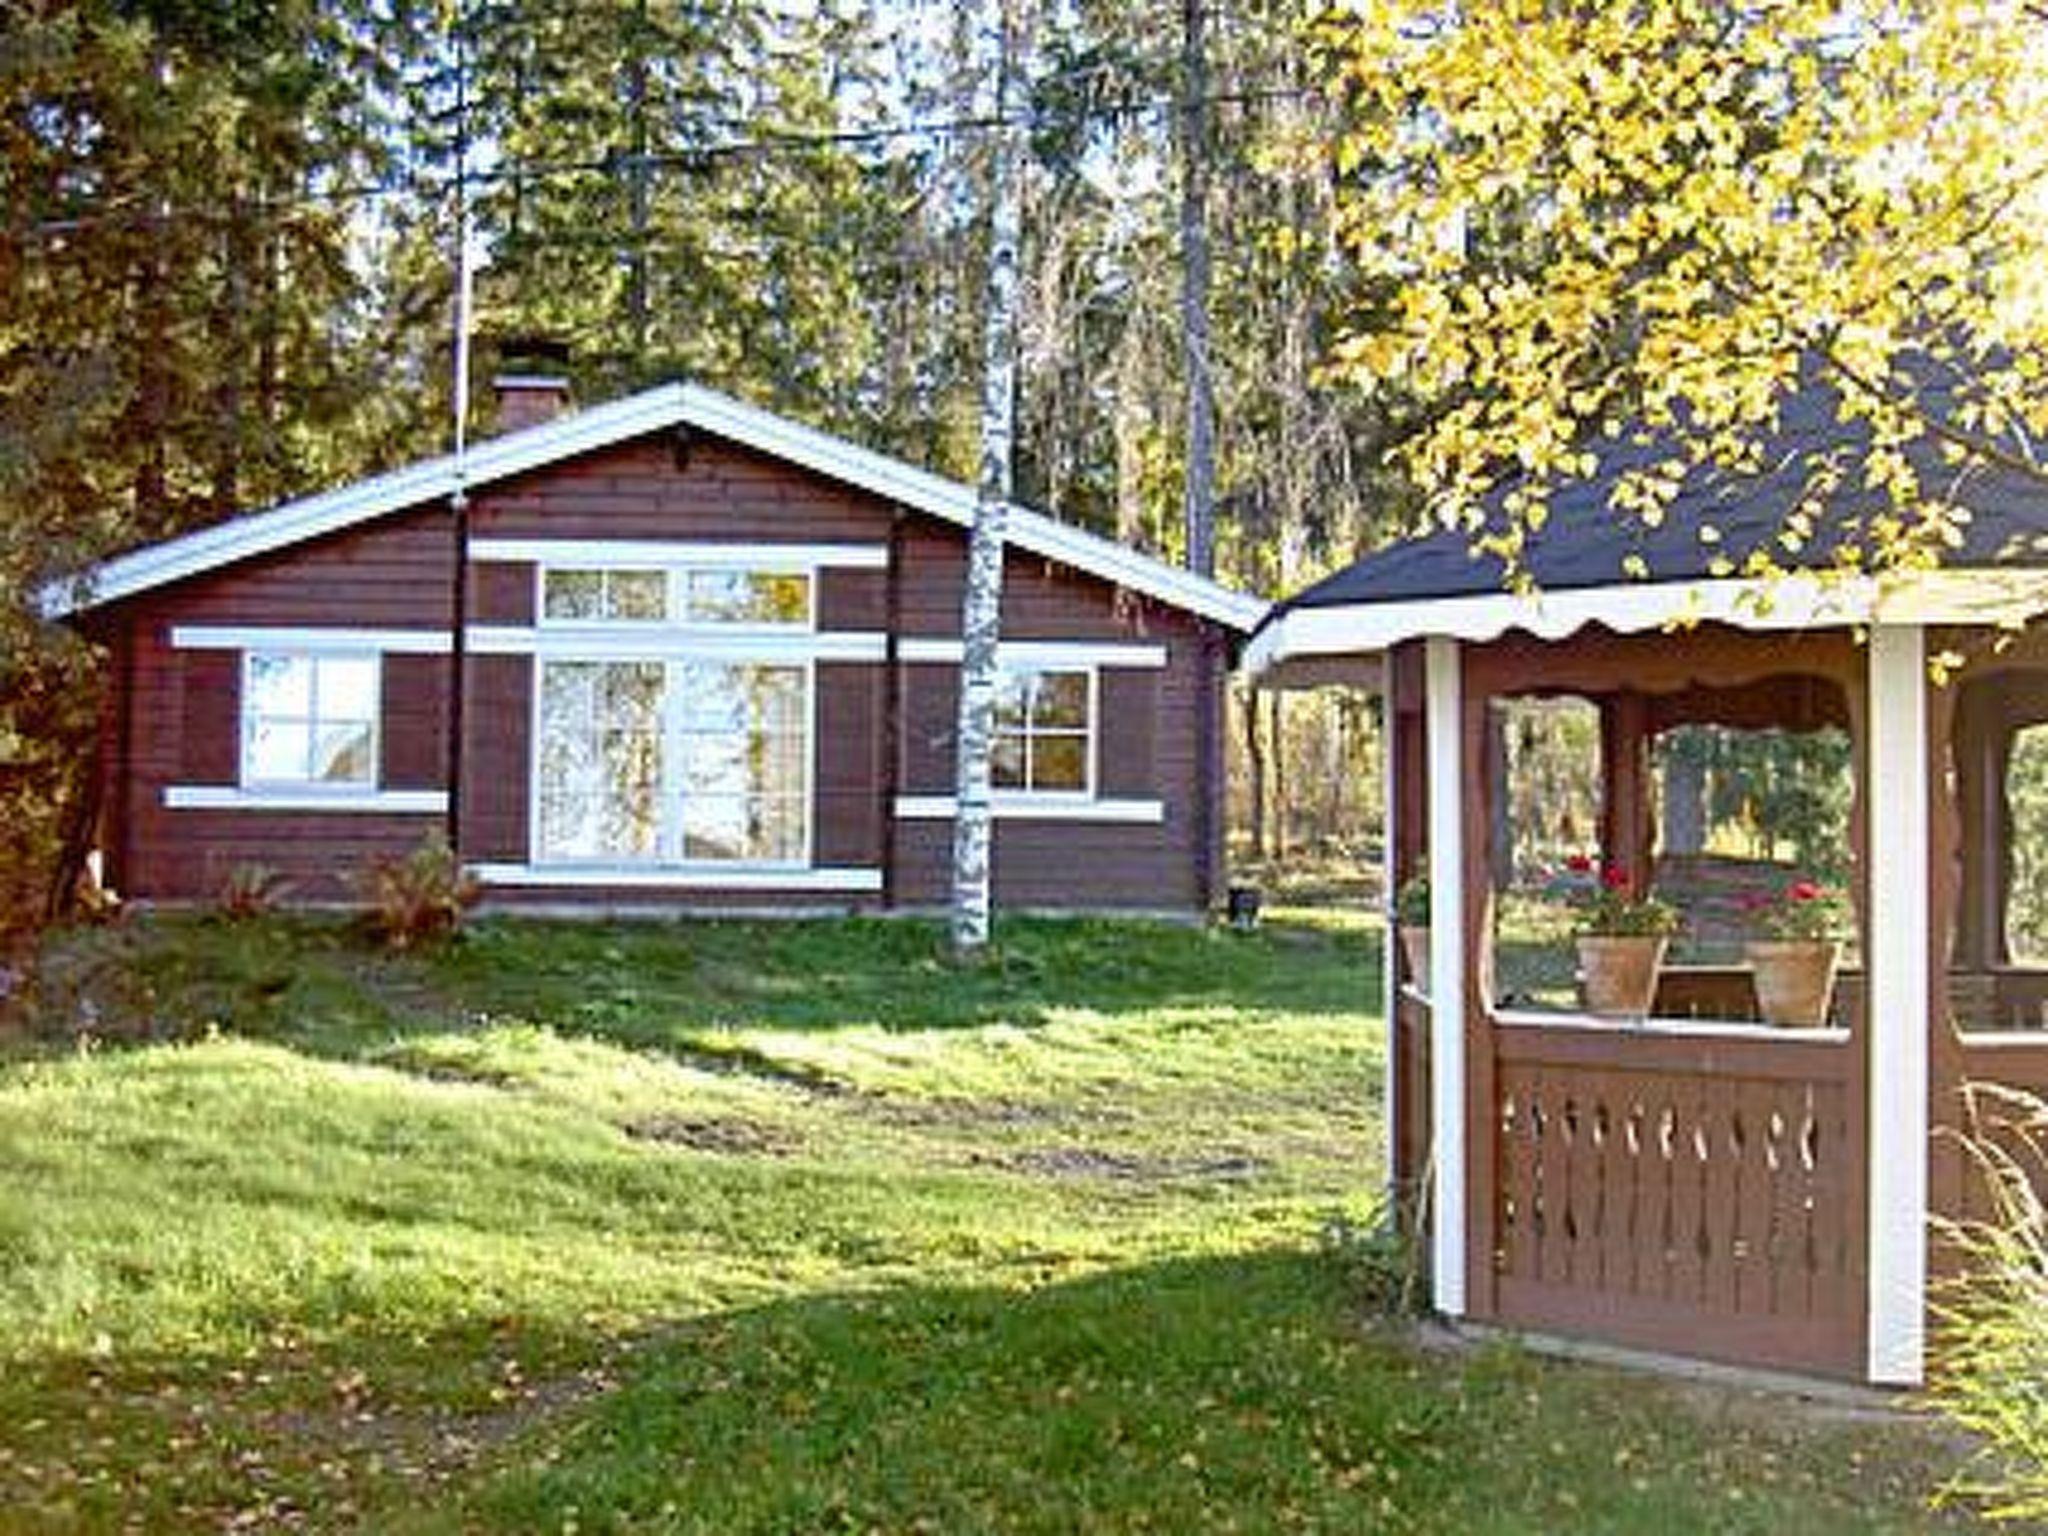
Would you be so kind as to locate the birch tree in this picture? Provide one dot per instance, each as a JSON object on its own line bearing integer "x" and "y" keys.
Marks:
{"x": 982, "y": 595}
{"x": 1715, "y": 206}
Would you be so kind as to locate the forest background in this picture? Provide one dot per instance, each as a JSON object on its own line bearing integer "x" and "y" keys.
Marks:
{"x": 227, "y": 271}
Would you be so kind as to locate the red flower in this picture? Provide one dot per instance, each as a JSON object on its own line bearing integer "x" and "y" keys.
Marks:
{"x": 1614, "y": 877}
{"x": 1802, "y": 890}
{"x": 1579, "y": 864}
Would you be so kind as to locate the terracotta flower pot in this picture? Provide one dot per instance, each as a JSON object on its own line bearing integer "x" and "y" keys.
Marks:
{"x": 1619, "y": 973}
{"x": 1415, "y": 946}
{"x": 1795, "y": 979}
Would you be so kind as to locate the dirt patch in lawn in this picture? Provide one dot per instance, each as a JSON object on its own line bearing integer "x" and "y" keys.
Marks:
{"x": 724, "y": 1135}
{"x": 1134, "y": 1167}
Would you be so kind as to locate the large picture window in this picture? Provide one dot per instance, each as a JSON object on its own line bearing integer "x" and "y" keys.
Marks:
{"x": 309, "y": 720}
{"x": 674, "y": 762}
{"x": 1043, "y": 721}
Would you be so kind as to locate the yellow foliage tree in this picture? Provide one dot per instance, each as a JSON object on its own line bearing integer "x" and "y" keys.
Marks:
{"x": 1597, "y": 225}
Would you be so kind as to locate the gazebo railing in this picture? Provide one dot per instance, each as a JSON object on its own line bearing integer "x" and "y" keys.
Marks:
{"x": 1679, "y": 1188}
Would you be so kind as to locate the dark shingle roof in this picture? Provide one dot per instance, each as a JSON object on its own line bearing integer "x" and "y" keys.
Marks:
{"x": 1586, "y": 544}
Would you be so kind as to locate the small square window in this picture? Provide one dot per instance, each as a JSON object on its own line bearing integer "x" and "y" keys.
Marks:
{"x": 309, "y": 720}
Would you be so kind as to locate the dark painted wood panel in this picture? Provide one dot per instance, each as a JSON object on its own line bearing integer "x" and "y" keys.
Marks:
{"x": 634, "y": 491}
{"x": 1049, "y": 864}
{"x": 497, "y": 764}
{"x": 850, "y": 599}
{"x": 501, "y": 592}
{"x": 847, "y": 762}
{"x": 393, "y": 572}
{"x": 325, "y": 856}
{"x": 1127, "y": 758}
{"x": 210, "y": 726}
{"x": 931, "y": 706}
{"x": 414, "y": 741}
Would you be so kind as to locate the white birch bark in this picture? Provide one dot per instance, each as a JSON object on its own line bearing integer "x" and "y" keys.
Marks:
{"x": 981, "y": 603}
{"x": 1199, "y": 491}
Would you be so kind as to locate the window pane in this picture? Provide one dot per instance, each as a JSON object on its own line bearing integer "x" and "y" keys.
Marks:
{"x": 280, "y": 685}
{"x": 1061, "y": 701}
{"x": 348, "y": 689}
{"x": 1006, "y": 763}
{"x": 715, "y": 827}
{"x": 748, "y": 597}
{"x": 342, "y": 754}
{"x": 1059, "y": 762}
{"x": 277, "y": 751}
{"x": 600, "y": 760}
{"x": 1013, "y": 700}
{"x": 574, "y": 595}
{"x": 638, "y": 595}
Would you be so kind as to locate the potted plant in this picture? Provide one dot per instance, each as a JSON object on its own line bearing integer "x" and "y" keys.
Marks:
{"x": 1621, "y": 939}
{"x": 1411, "y": 921}
{"x": 1792, "y": 961}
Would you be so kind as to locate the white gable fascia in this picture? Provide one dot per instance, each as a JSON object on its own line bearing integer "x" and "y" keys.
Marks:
{"x": 603, "y": 426}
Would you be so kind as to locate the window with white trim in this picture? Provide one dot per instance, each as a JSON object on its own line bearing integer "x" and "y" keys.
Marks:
{"x": 309, "y": 720}
{"x": 677, "y": 762}
{"x": 688, "y": 595}
{"x": 1044, "y": 731}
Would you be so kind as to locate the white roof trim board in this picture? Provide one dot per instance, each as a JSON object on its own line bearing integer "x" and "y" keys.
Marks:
{"x": 602, "y": 426}
{"x": 1790, "y": 602}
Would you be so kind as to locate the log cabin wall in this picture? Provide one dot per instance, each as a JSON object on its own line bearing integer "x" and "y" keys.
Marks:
{"x": 182, "y": 706}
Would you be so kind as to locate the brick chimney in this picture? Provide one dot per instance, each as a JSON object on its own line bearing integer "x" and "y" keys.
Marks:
{"x": 529, "y": 399}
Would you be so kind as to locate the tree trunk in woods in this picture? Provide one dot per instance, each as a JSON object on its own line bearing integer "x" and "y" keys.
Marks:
{"x": 1500, "y": 849}
{"x": 981, "y": 602}
{"x": 1279, "y": 761}
{"x": 1255, "y": 765}
{"x": 1685, "y": 803}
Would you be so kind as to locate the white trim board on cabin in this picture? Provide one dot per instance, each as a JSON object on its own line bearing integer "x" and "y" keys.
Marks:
{"x": 667, "y": 406}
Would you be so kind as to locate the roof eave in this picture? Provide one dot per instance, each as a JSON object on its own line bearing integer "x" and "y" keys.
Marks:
{"x": 1977, "y": 596}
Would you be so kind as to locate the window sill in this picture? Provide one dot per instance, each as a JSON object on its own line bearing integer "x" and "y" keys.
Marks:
{"x": 233, "y": 797}
{"x": 1035, "y": 808}
{"x": 682, "y": 877}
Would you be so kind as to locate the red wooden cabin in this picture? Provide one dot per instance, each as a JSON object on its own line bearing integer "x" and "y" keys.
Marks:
{"x": 673, "y": 651}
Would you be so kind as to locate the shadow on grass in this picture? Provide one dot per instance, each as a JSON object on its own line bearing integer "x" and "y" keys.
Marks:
{"x": 322, "y": 986}
{"x": 1192, "y": 1395}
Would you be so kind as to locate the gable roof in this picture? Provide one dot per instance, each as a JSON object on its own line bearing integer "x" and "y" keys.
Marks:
{"x": 580, "y": 432}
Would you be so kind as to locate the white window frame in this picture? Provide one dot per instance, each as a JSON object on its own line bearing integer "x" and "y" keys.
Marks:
{"x": 668, "y": 860}
{"x": 1090, "y": 757}
{"x": 676, "y": 576}
{"x": 253, "y": 787}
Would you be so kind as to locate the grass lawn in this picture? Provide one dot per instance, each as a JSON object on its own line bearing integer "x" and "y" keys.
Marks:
{"x": 733, "y": 1227}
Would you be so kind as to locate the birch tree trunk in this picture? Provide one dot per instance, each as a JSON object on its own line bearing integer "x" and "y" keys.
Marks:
{"x": 982, "y": 600}
{"x": 1199, "y": 494}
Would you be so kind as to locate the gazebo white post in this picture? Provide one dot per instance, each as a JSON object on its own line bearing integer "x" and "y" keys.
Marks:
{"x": 1447, "y": 789}
{"x": 1897, "y": 967}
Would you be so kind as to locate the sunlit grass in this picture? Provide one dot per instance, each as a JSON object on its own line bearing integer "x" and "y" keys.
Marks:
{"x": 735, "y": 1226}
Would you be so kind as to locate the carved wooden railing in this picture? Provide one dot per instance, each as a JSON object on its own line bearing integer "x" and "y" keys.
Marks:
{"x": 1694, "y": 1191}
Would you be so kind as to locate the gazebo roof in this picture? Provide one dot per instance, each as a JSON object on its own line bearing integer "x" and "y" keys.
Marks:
{"x": 1581, "y": 560}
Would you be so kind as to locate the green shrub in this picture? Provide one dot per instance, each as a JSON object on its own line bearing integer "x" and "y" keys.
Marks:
{"x": 1991, "y": 1359}
{"x": 1380, "y": 1262}
{"x": 250, "y": 891}
{"x": 420, "y": 897}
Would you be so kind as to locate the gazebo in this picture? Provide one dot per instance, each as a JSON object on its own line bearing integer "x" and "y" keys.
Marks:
{"x": 1698, "y": 1183}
